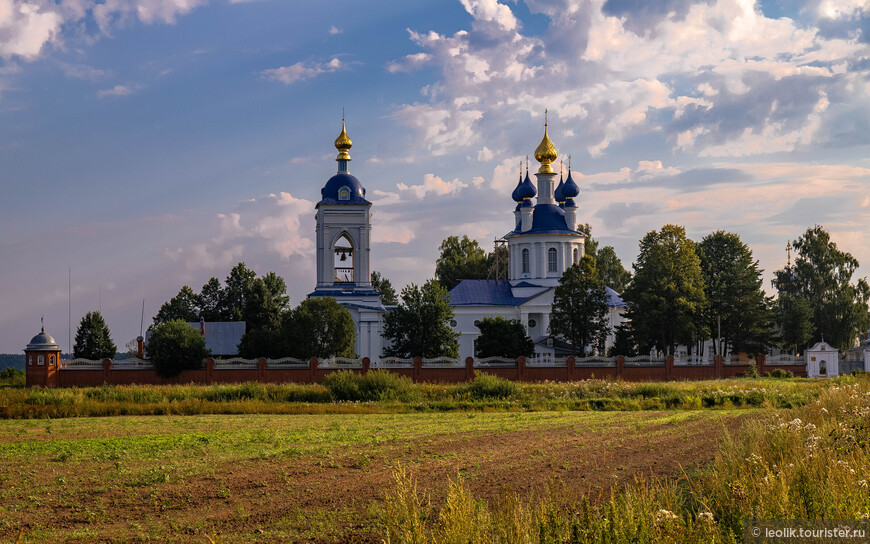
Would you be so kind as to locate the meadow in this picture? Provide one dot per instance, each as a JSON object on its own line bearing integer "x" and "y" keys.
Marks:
{"x": 358, "y": 461}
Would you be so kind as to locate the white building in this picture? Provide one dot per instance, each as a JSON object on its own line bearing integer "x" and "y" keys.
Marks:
{"x": 344, "y": 233}
{"x": 543, "y": 244}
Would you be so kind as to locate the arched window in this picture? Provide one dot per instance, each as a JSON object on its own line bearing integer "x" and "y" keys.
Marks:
{"x": 344, "y": 193}
{"x": 823, "y": 368}
{"x": 51, "y": 360}
{"x": 576, "y": 260}
{"x": 525, "y": 261}
{"x": 343, "y": 260}
{"x": 40, "y": 360}
{"x": 551, "y": 259}
{"x": 30, "y": 360}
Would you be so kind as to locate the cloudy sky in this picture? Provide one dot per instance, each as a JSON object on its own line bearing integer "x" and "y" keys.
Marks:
{"x": 147, "y": 144}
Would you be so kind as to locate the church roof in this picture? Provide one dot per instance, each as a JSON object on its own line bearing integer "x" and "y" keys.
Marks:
{"x": 499, "y": 293}
{"x": 547, "y": 219}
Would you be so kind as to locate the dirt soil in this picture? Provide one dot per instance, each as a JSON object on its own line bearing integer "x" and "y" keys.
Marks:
{"x": 335, "y": 499}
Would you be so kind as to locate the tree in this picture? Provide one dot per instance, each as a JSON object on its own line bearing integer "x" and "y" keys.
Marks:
{"x": 175, "y": 346}
{"x": 184, "y": 306}
{"x": 735, "y": 299}
{"x": 213, "y": 304}
{"x": 238, "y": 291}
{"x": 321, "y": 327}
{"x": 419, "y": 325}
{"x": 383, "y": 286}
{"x": 822, "y": 275}
{"x": 460, "y": 260}
{"x": 795, "y": 320}
{"x": 500, "y": 337}
{"x": 93, "y": 340}
{"x": 666, "y": 295}
{"x": 579, "y": 312}
{"x": 610, "y": 269}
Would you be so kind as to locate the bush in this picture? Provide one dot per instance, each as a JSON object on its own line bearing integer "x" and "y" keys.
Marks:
{"x": 12, "y": 375}
{"x": 176, "y": 346}
{"x": 487, "y": 386}
{"x": 780, "y": 373}
{"x": 377, "y": 385}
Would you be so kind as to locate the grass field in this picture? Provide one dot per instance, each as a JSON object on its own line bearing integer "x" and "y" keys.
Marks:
{"x": 332, "y": 477}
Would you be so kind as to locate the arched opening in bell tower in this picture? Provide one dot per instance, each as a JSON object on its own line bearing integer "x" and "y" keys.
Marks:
{"x": 343, "y": 260}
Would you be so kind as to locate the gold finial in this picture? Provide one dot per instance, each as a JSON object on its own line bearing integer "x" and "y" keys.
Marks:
{"x": 561, "y": 165}
{"x": 788, "y": 250}
{"x": 343, "y": 143}
{"x": 569, "y": 162}
{"x": 546, "y": 151}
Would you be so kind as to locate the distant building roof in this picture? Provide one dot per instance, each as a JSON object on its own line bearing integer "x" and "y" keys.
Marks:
{"x": 221, "y": 337}
{"x": 42, "y": 342}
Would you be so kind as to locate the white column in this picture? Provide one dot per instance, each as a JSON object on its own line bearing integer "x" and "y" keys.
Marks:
{"x": 545, "y": 324}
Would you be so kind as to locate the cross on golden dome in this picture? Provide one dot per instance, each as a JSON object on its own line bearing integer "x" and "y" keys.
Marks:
{"x": 546, "y": 152}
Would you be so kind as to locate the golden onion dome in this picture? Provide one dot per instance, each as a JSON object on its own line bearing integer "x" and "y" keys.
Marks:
{"x": 343, "y": 143}
{"x": 546, "y": 152}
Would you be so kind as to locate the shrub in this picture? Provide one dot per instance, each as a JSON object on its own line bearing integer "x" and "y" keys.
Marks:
{"x": 487, "y": 386}
{"x": 176, "y": 346}
{"x": 780, "y": 373}
{"x": 753, "y": 370}
{"x": 374, "y": 386}
{"x": 12, "y": 375}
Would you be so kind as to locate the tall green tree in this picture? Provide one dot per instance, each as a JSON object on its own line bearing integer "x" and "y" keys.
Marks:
{"x": 665, "y": 298}
{"x": 238, "y": 291}
{"x": 213, "y": 303}
{"x": 460, "y": 260}
{"x": 419, "y": 325}
{"x": 500, "y": 337}
{"x": 579, "y": 312}
{"x": 795, "y": 320}
{"x": 184, "y": 306}
{"x": 383, "y": 286}
{"x": 610, "y": 269}
{"x": 321, "y": 327}
{"x": 93, "y": 339}
{"x": 735, "y": 298}
{"x": 175, "y": 346}
{"x": 822, "y": 275}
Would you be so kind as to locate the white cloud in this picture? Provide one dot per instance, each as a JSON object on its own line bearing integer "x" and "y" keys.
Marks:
{"x": 117, "y": 90}
{"x": 434, "y": 185}
{"x": 301, "y": 71}
{"x": 409, "y": 63}
{"x": 333, "y": 30}
{"x": 26, "y": 27}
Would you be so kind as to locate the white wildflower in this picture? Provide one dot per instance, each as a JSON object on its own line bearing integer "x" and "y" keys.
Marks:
{"x": 665, "y": 515}
{"x": 705, "y": 517}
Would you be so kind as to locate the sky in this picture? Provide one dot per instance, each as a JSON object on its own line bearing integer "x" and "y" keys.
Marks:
{"x": 149, "y": 144}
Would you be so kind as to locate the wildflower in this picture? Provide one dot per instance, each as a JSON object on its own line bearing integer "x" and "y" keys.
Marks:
{"x": 862, "y": 483}
{"x": 705, "y": 517}
{"x": 824, "y": 410}
{"x": 810, "y": 427}
{"x": 665, "y": 515}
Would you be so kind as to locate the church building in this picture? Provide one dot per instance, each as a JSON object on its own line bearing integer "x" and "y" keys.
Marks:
{"x": 542, "y": 245}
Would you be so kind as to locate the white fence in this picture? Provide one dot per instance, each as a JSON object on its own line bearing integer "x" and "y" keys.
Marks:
{"x": 393, "y": 362}
{"x": 442, "y": 362}
{"x": 340, "y": 362}
{"x": 286, "y": 362}
{"x": 495, "y": 362}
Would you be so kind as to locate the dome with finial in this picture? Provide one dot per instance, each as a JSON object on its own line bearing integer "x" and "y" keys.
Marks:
{"x": 516, "y": 194}
{"x": 570, "y": 189}
{"x": 527, "y": 191}
{"x": 546, "y": 152}
{"x": 557, "y": 194}
{"x": 343, "y": 143}
{"x": 42, "y": 342}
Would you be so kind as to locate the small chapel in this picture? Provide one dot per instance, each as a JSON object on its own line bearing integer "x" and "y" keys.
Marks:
{"x": 544, "y": 242}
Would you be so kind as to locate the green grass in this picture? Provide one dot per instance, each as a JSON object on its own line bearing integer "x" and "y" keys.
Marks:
{"x": 808, "y": 463}
{"x": 382, "y": 392}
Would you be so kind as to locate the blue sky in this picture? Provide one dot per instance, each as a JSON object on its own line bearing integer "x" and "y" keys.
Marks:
{"x": 147, "y": 144}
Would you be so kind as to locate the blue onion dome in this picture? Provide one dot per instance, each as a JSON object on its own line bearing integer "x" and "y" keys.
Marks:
{"x": 557, "y": 194}
{"x": 343, "y": 189}
{"x": 527, "y": 189}
{"x": 516, "y": 194}
{"x": 570, "y": 189}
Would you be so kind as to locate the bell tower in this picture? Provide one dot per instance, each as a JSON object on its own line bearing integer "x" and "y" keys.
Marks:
{"x": 344, "y": 232}
{"x": 42, "y": 361}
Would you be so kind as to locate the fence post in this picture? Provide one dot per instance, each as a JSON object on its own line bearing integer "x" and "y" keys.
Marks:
{"x": 469, "y": 368}
{"x": 521, "y": 368}
{"x": 669, "y": 367}
{"x": 717, "y": 363}
{"x": 570, "y": 363}
{"x": 367, "y": 364}
{"x": 209, "y": 370}
{"x": 261, "y": 369}
{"x": 620, "y": 366}
{"x": 107, "y": 370}
{"x": 312, "y": 368}
{"x": 418, "y": 368}
{"x": 760, "y": 360}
